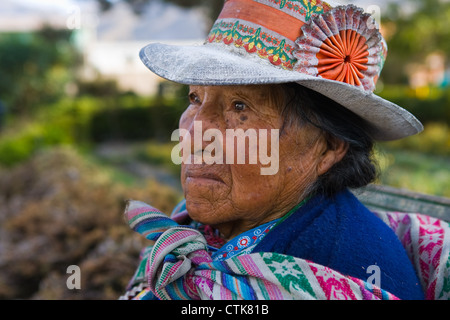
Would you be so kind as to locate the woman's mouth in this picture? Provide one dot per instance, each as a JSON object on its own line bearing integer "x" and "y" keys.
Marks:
{"x": 203, "y": 176}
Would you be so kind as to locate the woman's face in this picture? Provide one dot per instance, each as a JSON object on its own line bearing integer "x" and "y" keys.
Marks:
{"x": 236, "y": 197}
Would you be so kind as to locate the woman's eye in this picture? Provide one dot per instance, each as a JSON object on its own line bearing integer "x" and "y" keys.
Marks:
{"x": 193, "y": 98}
{"x": 239, "y": 106}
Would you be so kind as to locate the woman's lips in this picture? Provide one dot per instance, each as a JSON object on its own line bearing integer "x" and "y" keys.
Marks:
{"x": 203, "y": 176}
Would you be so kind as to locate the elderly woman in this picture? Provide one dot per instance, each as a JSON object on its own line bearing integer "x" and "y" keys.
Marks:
{"x": 307, "y": 70}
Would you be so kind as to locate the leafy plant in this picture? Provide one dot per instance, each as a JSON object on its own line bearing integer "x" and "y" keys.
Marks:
{"x": 35, "y": 68}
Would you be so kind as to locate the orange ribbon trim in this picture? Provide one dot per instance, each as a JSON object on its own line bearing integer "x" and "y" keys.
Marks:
{"x": 263, "y": 15}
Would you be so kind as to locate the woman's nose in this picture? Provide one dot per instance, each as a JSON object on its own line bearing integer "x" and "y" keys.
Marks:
{"x": 207, "y": 115}
{"x": 197, "y": 123}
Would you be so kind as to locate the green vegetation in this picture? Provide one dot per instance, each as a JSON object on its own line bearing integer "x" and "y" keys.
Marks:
{"x": 86, "y": 120}
{"x": 416, "y": 171}
{"x": 36, "y": 68}
{"x": 159, "y": 154}
{"x": 60, "y": 208}
{"x": 414, "y": 36}
{"x": 420, "y": 163}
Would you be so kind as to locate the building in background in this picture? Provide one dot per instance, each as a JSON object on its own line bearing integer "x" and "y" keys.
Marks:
{"x": 109, "y": 41}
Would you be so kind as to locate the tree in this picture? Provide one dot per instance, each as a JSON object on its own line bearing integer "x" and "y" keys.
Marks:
{"x": 35, "y": 67}
{"x": 413, "y": 37}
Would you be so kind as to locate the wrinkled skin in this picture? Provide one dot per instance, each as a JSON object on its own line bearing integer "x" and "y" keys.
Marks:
{"x": 236, "y": 197}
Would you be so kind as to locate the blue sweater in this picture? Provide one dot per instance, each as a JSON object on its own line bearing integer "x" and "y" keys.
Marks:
{"x": 341, "y": 233}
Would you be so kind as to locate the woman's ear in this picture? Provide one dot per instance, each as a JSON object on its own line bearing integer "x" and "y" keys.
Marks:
{"x": 334, "y": 152}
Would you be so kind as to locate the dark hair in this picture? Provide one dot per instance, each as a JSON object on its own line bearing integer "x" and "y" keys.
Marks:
{"x": 357, "y": 168}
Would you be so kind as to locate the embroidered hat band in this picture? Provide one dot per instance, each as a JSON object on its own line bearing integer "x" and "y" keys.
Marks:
{"x": 341, "y": 44}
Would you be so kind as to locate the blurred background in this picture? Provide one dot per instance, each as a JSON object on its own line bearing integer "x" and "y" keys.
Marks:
{"x": 85, "y": 126}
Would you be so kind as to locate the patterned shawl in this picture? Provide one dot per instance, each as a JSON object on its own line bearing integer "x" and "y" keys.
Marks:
{"x": 179, "y": 265}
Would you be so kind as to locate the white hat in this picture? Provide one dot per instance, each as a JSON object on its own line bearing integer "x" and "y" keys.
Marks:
{"x": 338, "y": 52}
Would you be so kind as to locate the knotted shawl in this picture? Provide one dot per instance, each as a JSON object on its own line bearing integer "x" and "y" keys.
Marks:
{"x": 179, "y": 264}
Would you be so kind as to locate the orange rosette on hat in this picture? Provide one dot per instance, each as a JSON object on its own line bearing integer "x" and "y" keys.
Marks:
{"x": 344, "y": 45}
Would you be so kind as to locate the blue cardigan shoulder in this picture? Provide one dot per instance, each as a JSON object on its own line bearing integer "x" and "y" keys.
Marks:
{"x": 341, "y": 233}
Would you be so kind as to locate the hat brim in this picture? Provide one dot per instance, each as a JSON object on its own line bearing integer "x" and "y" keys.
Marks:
{"x": 209, "y": 65}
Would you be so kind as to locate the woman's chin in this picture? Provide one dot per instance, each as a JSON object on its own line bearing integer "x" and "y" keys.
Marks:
{"x": 206, "y": 212}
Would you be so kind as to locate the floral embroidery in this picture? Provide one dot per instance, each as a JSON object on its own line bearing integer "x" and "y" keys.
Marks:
{"x": 342, "y": 45}
{"x": 243, "y": 243}
{"x": 288, "y": 273}
{"x": 306, "y": 8}
{"x": 334, "y": 288}
{"x": 431, "y": 243}
{"x": 311, "y": 7}
{"x": 254, "y": 40}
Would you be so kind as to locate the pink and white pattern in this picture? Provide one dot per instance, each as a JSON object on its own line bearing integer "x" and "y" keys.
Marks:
{"x": 427, "y": 243}
{"x": 179, "y": 265}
